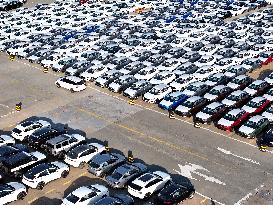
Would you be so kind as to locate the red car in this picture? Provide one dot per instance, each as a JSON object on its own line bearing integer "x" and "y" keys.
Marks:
{"x": 233, "y": 119}
{"x": 268, "y": 60}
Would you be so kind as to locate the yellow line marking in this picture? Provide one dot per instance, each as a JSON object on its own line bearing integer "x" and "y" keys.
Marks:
{"x": 29, "y": 202}
{"x": 67, "y": 182}
{"x": 155, "y": 139}
{"x": 50, "y": 191}
{"x": 83, "y": 174}
{"x": 203, "y": 201}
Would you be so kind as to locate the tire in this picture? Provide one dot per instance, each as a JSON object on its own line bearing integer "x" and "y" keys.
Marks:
{"x": 147, "y": 196}
{"x": 58, "y": 85}
{"x": 21, "y": 195}
{"x": 64, "y": 174}
{"x": 61, "y": 155}
{"x": 191, "y": 195}
{"x": 40, "y": 186}
{"x": 71, "y": 90}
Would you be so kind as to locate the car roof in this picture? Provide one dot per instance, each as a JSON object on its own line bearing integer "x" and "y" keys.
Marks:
{"x": 160, "y": 86}
{"x": 193, "y": 98}
{"x": 58, "y": 139}
{"x": 256, "y": 118}
{"x": 82, "y": 191}
{"x": 73, "y": 78}
{"x": 258, "y": 99}
{"x": 214, "y": 105}
{"x": 257, "y": 82}
{"x": 235, "y": 111}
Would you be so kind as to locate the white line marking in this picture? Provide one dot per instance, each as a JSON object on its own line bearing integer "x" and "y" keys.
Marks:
{"x": 209, "y": 198}
{"x": 229, "y": 153}
{"x": 243, "y": 199}
{"x": 190, "y": 168}
{"x": 4, "y": 105}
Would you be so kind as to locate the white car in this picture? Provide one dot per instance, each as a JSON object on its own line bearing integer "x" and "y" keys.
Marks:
{"x": 235, "y": 70}
{"x": 182, "y": 81}
{"x": 25, "y": 129}
{"x": 6, "y": 140}
{"x": 38, "y": 176}
{"x": 94, "y": 72}
{"x": 72, "y": 83}
{"x": 269, "y": 79}
{"x": 81, "y": 154}
{"x": 268, "y": 113}
{"x": 269, "y": 95}
{"x": 12, "y": 191}
{"x": 163, "y": 77}
{"x": 205, "y": 60}
{"x": 157, "y": 93}
{"x": 145, "y": 185}
{"x": 86, "y": 195}
{"x": 146, "y": 73}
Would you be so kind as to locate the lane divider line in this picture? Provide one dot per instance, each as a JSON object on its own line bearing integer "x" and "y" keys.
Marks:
{"x": 32, "y": 200}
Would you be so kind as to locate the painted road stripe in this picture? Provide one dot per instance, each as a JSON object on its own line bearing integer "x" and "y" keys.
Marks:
{"x": 52, "y": 190}
{"x": 203, "y": 201}
{"x": 83, "y": 174}
{"x": 67, "y": 182}
{"x": 30, "y": 202}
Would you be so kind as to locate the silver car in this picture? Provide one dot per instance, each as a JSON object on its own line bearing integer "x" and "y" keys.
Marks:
{"x": 103, "y": 163}
{"x": 125, "y": 173}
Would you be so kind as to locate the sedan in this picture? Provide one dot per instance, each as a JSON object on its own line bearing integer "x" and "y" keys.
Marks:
{"x": 121, "y": 83}
{"x": 72, "y": 83}
{"x": 86, "y": 195}
{"x": 103, "y": 163}
{"x": 257, "y": 87}
{"x": 268, "y": 113}
{"x": 253, "y": 127}
{"x": 216, "y": 79}
{"x": 217, "y": 93}
{"x": 236, "y": 99}
{"x": 269, "y": 79}
{"x": 137, "y": 89}
{"x": 123, "y": 174}
{"x": 256, "y": 105}
{"x": 40, "y": 175}
{"x": 157, "y": 93}
{"x": 191, "y": 106}
{"x": 210, "y": 113}
{"x": 240, "y": 82}
{"x": 172, "y": 100}
{"x": 196, "y": 88}
{"x": 235, "y": 70}
{"x": 232, "y": 120}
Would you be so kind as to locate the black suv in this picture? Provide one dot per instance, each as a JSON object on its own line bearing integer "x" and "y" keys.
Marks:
{"x": 39, "y": 137}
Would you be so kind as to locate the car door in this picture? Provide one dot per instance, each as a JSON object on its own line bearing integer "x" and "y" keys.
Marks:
{"x": 44, "y": 176}
{"x": 54, "y": 173}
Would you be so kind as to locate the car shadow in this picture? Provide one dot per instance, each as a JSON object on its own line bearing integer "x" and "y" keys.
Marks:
{"x": 47, "y": 201}
{"x": 264, "y": 74}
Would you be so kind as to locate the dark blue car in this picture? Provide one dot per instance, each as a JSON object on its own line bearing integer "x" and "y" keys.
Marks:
{"x": 172, "y": 100}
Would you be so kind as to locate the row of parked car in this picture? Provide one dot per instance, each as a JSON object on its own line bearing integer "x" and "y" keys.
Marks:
{"x": 34, "y": 168}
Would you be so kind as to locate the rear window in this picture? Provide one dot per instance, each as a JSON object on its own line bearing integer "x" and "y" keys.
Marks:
{"x": 135, "y": 187}
{"x": 17, "y": 131}
{"x": 72, "y": 198}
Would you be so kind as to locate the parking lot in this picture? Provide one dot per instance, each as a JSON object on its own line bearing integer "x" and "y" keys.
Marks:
{"x": 163, "y": 143}
{"x": 224, "y": 167}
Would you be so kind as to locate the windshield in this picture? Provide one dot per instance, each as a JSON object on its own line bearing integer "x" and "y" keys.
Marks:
{"x": 72, "y": 198}
{"x": 209, "y": 110}
{"x": 254, "y": 104}
{"x": 231, "y": 117}
{"x": 251, "y": 124}
{"x": 36, "y": 170}
{"x": 116, "y": 175}
{"x": 214, "y": 92}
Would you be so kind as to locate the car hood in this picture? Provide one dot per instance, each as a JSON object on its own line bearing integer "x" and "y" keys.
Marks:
{"x": 246, "y": 130}
{"x": 17, "y": 185}
{"x": 203, "y": 116}
{"x": 114, "y": 86}
{"x": 268, "y": 97}
{"x": 210, "y": 96}
{"x": 233, "y": 85}
{"x": 40, "y": 156}
{"x": 130, "y": 92}
{"x": 150, "y": 96}
{"x": 166, "y": 103}
{"x": 182, "y": 109}
{"x": 250, "y": 91}
{"x": 248, "y": 109}
{"x": 268, "y": 115}
{"x": 188, "y": 92}
{"x": 228, "y": 102}
{"x": 225, "y": 122}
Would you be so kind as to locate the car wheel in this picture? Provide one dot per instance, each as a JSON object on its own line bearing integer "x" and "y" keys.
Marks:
{"x": 147, "y": 196}
{"x": 61, "y": 155}
{"x": 58, "y": 85}
{"x": 191, "y": 195}
{"x": 71, "y": 90}
{"x": 21, "y": 195}
{"x": 64, "y": 174}
{"x": 40, "y": 186}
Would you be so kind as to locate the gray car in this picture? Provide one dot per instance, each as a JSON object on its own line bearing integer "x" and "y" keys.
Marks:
{"x": 125, "y": 173}
{"x": 102, "y": 164}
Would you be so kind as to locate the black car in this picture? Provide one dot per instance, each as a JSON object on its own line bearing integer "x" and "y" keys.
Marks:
{"x": 120, "y": 199}
{"x": 266, "y": 139}
{"x": 39, "y": 137}
{"x": 7, "y": 151}
{"x": 175, "y": 193}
